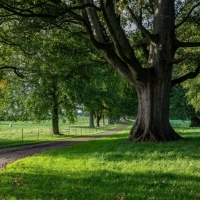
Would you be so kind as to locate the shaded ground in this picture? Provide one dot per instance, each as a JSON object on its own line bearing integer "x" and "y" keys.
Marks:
{"x": 10, "y": 154}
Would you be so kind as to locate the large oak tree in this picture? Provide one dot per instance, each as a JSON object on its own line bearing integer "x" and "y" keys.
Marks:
{"x": 155, "y": 26}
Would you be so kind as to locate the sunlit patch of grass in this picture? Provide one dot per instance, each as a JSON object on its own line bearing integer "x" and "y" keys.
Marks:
{"x": 189, "y": 132}
{"x": 108, "y": 168}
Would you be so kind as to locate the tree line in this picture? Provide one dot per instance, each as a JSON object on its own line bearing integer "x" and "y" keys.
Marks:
{"x": 59, "y": 77}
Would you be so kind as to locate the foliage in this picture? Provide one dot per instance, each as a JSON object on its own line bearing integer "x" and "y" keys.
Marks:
{"x": 179, "y": 107}
{"x": 191, "y": 87}
{"x": 48, "y": 74}
{"x": 108, "y": 93}
{"x": 192, "y": 94}
{"x": 51, "y": 74}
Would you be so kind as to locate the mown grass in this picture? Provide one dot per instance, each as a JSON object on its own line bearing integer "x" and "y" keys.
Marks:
{"x": 28, "y": 132}
{"x": 109, "y": 168}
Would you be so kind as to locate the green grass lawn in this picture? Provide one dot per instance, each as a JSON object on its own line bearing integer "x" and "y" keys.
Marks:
{"x": 28, "y": 132}
{"x": 109, "y": 168}
{"x": 180, "y": 123}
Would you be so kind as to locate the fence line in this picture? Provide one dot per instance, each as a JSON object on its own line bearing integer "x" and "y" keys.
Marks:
{"x": 29, "y": 135}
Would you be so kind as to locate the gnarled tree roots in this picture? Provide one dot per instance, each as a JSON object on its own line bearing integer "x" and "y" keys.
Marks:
{"x": 151, "y": 134}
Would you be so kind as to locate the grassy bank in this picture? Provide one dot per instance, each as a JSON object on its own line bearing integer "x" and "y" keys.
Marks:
{"x": 109, "y": 168}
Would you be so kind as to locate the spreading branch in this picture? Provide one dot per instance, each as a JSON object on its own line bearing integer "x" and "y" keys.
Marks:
{"x": 98, "y": 36}
{"x": 118, "y": 35}
{"x": 138, "y": 23}
{"x": 15, "y": 69}
{"x": 182, "y": 8}
{"x": 188, "y": 15}
{"x": 86, "y": 5}
{"x": 14, "y": 44}
{"x": 188, "y": 44}
{"x": 25, "y": 12}
{"x": 98, "y": 45}
{"x": 187, "y": 76}
{"x": 179, "y": 60}
{"x": 28, "y": 12}
{"x": 140, "y": 43}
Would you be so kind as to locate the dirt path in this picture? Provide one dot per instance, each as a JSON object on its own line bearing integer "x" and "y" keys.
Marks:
{"x": 10, "y": 154}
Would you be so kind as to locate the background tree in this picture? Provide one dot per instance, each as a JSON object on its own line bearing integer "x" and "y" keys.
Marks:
{"x": 51, "y": 78}
{"x": 100, "y": 91}
{"x": 179, "y": 107}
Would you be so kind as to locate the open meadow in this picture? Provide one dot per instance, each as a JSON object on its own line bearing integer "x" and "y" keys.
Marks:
{"x": 31, "y": 132}
{"x": 109, "y": 168}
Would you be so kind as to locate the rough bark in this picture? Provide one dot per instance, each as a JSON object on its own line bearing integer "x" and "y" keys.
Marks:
{"x": 152, "y": 122}
{"x": 54, "y": 112}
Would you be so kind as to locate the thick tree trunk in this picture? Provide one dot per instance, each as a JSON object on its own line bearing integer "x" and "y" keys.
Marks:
{"x": 55, "y": 121}
{"x": 55, "y": 126}
{"x": 91, "y": 118}
{"x": 98, "y": 118}
{"x": 152, "y": 122}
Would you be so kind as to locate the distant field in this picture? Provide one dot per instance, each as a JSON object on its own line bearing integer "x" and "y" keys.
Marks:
{"x": 31, "y": 132}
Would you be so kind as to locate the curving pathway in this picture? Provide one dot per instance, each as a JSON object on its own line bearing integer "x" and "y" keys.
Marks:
{"x": 10, "y": 154}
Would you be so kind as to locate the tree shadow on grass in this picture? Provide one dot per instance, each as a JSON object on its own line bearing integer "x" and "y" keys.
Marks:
{"x": 10, "y": 142}
{"x": 98, "y": 185}
{"x": 117, "y": 148}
